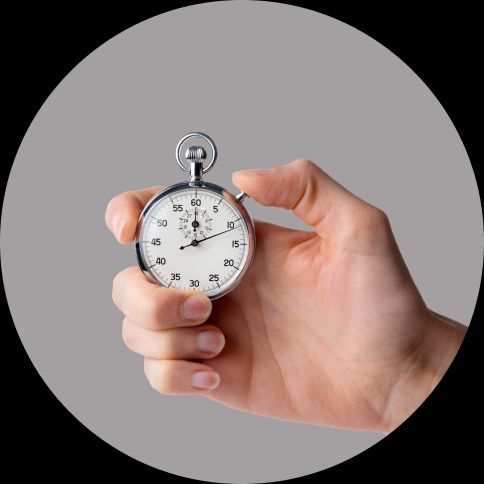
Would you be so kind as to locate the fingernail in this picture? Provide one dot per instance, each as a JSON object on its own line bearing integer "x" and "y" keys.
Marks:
{"x": 210, "y": 341}
{"x": 251, "y": 173}
{"x": 206, "y": 380}
{"x": 196, "y": 308}
{"x": 118, "y": 225}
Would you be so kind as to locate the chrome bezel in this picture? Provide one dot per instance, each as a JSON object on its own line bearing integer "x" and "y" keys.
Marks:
{"x": 230, "y": 198}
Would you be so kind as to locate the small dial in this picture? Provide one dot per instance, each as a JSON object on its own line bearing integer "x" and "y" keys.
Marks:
{"x": 194, "y": 238}
{"x": 195, "y": 222}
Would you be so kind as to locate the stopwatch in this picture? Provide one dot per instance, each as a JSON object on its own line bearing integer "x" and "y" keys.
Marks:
{"x": 196, "y": 235}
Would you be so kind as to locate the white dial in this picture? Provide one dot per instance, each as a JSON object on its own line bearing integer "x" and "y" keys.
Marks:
{"x": 195, "y": 238}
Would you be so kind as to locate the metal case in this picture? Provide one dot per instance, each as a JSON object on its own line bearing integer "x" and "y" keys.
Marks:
{"x": 230, "y": 198}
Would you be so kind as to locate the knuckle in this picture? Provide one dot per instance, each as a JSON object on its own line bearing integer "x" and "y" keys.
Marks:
{"x": 148, "y": 370}
{"x": 115, "y": 288}
{"x": 162, "y": 307}
{"x": 123, "y": 279}
{"x": 369, "y": 218}
{"x": 153, "y": 309}
{"x": 115, "y": 200}
{"x": 305, "y": 195}
{"x": 161, "y": 375}
{"x": 127, "y": 335}
{"x": 112, "y": 206}
{"x": 375, "y": 218}
{"x": 173, "y": 346}
{"x": 304, "y": 164}
{"x": 118, "y": 281}
{"x": 382, "y": 218}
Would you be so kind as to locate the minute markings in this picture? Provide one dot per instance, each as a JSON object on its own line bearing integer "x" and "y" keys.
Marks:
{"x": 198, "y": 261}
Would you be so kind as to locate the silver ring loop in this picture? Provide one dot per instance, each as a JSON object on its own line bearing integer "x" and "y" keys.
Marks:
{"x": 196, "y": 135}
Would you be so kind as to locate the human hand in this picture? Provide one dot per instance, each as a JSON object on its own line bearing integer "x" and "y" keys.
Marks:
{"x": 327, "y": 327}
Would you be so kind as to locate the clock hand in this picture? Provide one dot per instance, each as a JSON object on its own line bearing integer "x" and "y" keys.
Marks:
{"x": 195, "y": 224}
{"x": 195, "y": 242}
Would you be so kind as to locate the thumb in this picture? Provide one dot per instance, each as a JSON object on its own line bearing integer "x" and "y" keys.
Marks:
{"x": 300, "y": 186}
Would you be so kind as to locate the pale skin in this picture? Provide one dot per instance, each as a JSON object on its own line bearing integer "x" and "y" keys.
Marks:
{"x": 327, "y": 327}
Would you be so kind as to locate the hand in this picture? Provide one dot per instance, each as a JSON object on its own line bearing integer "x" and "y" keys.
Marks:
{"x": 326, "y": 328}
{"x": 195, "y": 223}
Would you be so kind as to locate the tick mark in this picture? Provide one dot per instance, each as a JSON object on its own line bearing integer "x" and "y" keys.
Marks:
{"x": 171, "y": 282}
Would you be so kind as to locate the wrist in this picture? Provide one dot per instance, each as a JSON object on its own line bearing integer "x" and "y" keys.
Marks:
{"x": 424, "y": 369}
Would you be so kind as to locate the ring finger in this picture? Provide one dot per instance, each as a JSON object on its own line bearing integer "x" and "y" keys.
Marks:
{"x": 184, "y": 343}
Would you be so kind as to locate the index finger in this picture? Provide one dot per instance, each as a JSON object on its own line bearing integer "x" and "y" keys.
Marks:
{"x": 123, "y": 211}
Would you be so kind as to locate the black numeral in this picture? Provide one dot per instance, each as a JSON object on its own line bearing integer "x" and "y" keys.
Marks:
{"x": 161, "y": 260}
{"x": 235, "y": 243}
{"x": 178, "y": 208}
{"x": 230, "y": 225}
{"x": 155, "y": 241}
{"x": 215, "y": 209}
{"x": 213, "y": 277}
{"x": 194, "y": 283}
{"x": 175, "y": 276}
{"x": 162, "y": 223}
{"x": 228, "y": 262}
{"x": 195, "y": 201}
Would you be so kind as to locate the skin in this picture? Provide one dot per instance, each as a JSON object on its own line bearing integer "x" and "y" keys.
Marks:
{"x": 327, "y": 327}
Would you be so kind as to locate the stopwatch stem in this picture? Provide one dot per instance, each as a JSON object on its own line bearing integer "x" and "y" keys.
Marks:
{"x": 196, "y": 169}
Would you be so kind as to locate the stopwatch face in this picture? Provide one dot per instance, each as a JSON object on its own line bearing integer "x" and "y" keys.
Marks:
{"x": 195, "y": 238}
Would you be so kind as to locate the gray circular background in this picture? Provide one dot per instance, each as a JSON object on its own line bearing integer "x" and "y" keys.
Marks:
{"x": 270, "y": 83}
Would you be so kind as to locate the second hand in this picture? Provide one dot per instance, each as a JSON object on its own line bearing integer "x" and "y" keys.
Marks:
{"x": 195, "y": 242}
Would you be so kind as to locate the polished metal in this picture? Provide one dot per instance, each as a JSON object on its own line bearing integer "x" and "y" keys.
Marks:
{"x": 230, "y": 198}
{"x": 240, "y": 197}
{"x": 195, "y": 155}
{"x": 203, "y": 136}
{"x": 196, "y": 170}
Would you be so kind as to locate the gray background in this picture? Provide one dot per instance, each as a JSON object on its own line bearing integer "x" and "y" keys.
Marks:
{"x": 270, "y": 83}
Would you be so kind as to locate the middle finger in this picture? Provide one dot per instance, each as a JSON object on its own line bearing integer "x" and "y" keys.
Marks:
{"x": 190, "y": 343}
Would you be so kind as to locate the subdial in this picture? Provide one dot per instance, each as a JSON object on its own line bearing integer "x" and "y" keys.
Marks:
{"x": 195, "y": 223}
